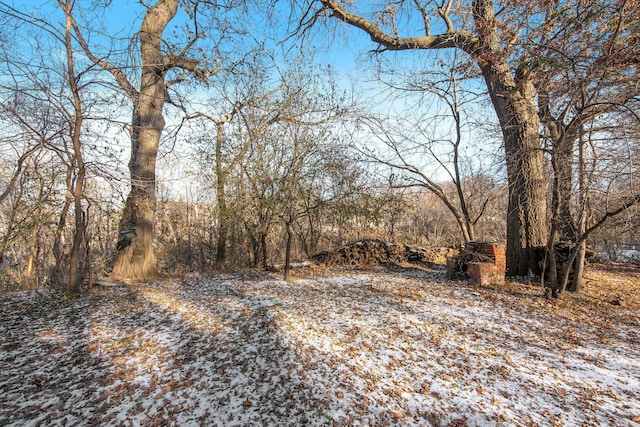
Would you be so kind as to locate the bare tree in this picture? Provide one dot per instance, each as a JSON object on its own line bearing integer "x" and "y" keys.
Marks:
{"x": 55, "y": 90}
{"x": 231, "y": 141}
{"x": 435, "y": 153}
{"x": 493, "y": 41}
{"x": 333, "y": 186}
{"x": 135, "y": 257}
{"x": 587, "y": 89}
{"x": 76, "y": 187}
{"x": 255, "y": 108}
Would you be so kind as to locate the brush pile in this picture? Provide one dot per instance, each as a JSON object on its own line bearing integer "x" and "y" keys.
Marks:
{"x": 375, "y": 251}
{"x": 471, "y": 252}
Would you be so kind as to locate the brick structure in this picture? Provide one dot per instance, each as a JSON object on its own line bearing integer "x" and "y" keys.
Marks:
{"x": 490, "y": 270}
{"x": 452, "y": 265}
{"x": 498, "y": 252}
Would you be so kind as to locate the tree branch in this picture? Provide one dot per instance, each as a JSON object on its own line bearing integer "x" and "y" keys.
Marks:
{"x": 452, "y": 39}
{"x": 117, "y": 73}
{"x": 191, "y": 65}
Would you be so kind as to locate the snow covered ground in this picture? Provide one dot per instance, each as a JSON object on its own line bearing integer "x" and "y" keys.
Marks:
{"x": 623, "y": 255}
{"x": 342, "y": 348}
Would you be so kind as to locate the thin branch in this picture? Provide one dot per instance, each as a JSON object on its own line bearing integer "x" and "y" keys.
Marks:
{"x": 444, "y": 14}
{"x": 117, "y": 73}
{"x": 425, "y": 17}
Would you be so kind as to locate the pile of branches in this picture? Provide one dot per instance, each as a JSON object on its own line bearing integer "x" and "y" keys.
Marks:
{"x": 470, "y": 253}
{"x": 375, "y": 251}
{"x": 433, "y": 255}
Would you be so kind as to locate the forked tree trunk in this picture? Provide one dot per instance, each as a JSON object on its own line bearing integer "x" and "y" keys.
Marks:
{"x": 137, "y": 260}
{"x": 562, "y": 229}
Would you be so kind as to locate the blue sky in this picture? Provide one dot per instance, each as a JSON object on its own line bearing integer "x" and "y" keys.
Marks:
{"x": 345, "y": 49}
{"x": 123, "y": 17}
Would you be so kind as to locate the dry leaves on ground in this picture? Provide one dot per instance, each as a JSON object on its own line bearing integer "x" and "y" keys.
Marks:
{"x": 362, "y": 348}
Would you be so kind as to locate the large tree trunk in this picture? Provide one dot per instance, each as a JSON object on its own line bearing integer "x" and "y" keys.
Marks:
{"x": 514, "y": 100}
{"x": 514, "y": 103}
{"x": 137, "y": 260}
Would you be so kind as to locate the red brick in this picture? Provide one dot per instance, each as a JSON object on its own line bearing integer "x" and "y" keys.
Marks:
{"x": 485, "y": 273}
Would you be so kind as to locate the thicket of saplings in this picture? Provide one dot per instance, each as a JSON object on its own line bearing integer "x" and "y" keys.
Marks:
{"x": 36, "y": 247}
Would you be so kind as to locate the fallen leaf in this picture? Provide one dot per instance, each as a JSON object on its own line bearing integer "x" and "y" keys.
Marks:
{"x": 397, "y": 414}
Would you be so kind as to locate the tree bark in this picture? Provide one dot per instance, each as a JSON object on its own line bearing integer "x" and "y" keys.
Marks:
{"x": 31, "y": 273}
{"x": 77, "y": 270}
{"x": 221, "y": 197}
{"x": 514, "y": 103}
{"x": 578, "y": 280}
{"x": 137, "y": 260}
{"x": 563, "y": 137}
{"x": 563, "y": 151}
{"x": 58, "y": 273}
{"x": 263, "y": 247}
{"x": 578, "y": 272}
{"x": 287, "y": 259}
{"x": 513, "y": 98}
